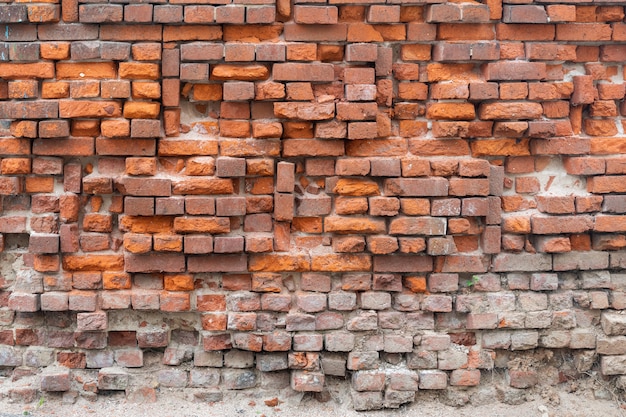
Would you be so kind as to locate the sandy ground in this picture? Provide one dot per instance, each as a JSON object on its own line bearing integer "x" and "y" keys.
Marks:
{"x": 555, "y": 403}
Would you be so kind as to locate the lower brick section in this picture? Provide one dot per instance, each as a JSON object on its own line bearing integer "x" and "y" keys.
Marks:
{"x": 297, "y": 330}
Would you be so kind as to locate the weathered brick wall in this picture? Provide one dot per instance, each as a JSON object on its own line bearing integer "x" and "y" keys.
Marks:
{"x": 255, "y": 194}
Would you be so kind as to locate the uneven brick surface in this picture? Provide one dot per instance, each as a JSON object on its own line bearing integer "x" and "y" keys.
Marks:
{"x": 315, "y": 189}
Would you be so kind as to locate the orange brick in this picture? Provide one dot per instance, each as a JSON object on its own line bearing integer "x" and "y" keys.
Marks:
{"x": 46, "y": 263}
{"x": 235, "y": 128}
{"x": 180, "y": 282}
{"x": 154, "y": 224}
{"x": 24, "y": 128}
{"x": 11, "y": 71}
{"x": 85, "y": 127}
{"x": 93, "y": 262}
{"x": 137, "y": 243}
{"x": 141, "y": 110}
{"x": 165, "y": 242}
{"x": 59, "y": 89}
{"x": 39, "y": 184}
{"x": 500, "y": 147}
{"x": 15, "y": 166}
{"x": 116, "y": 280}
{"x": 118, "y": 128}
{"x": 207, "y": 92}
{"x": 81, "y": 71}
{"x": 44, "y": 13}
{"x": 252, "y": 33}
{"x": 302, "y": 52}
{"x": 83, "y": 108}
{"x": 451, "y": 111}
{"x": 415, "y": 283}
{"x": 141, "y": 166}
{"x": 146, "y": 90}
{"x": 55, "y": 51}
{"x": 455, "y": 31}
{"x": 139, "y": 71}
{"x": 146, "y": 51}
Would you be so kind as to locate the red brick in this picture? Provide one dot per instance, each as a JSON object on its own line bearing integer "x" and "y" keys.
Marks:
{"x": 198, "y": 244}
{"x": 504, "y": 110}
{"x": 584, "y": 166}
{"x": 217, "y": 263}
{"x": 363, "y": 52}
{"x": 514, "y": 70}
{"x": 311, "y": 15}
{"x": 199, "y": 14}
{"x": 584, "y": 91}
{"x": 97, "y": 13}
{"x": 303, "y": 72}
{"x": 263, "y": 14}
{"x": 561, "y": 224}
{"x": 447, "y": 12}
{"x": 525, "y": 32}
{"x": 588, "y": 32}
{"x": 383, "y": 14}
{"x": 140, "y": 13}
{"x": 465, "y": 31}
{"x": 421, "y": 32}
{"x": 524, "y": 14}
{"x": 555, "y": 205}
{"x": 137, "y": 243}
{"x": 451, "y": 111}
{"x": 561, "y": 12}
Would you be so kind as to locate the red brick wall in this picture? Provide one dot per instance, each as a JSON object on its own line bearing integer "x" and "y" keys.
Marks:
{"x": 289, "y": 192}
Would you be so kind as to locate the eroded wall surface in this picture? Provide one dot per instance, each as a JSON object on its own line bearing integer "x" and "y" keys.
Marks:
{"x": 258, "y": 194}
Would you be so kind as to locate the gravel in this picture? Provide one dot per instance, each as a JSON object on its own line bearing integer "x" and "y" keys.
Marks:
{"x": 290, "y": 404}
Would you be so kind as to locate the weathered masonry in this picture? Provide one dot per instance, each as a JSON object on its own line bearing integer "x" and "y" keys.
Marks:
{"x": 263, "y": 194}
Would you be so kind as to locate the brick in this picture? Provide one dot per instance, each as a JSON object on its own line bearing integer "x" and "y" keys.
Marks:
{"x": 43, "y": 243}
{"x": 154, "y": 263}
{"x": 416, "y": 187}
{"x": 580, "y": 260}
{"x": 13, "y": 14}
{"x": 139, "y": 13}
{"x": 56, "y": 380}
{"x": 20, "y": 129}
{"x": 451, "y": 111}
{"x": 97, "y": 13}
{"x": 524, "y": 14}
{"x": 311, "y": 15}
{"x": 195, "y": 14}
{"x": 521, "y": 262}
{"x": 363, "y": 52}
{"x": 583, "y": 32}
{"x": 238, "y": 91}
{"x": 303, "y": 72}
{"x": 514, "y": 70}
{"x": 432, "y": 379}
{"x": 164, "y": 13}
{"x": 264, "y": 14}
{"x": 495, "y": 111}
{"x": 139, "y": 71}
{"x": 312, "y": 33}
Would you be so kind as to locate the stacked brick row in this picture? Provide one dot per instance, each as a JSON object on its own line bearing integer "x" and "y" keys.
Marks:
{"x": 256, "y": 195}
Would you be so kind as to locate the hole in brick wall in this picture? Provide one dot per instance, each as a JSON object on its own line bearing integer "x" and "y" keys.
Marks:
{"x": 11, "y": 259}
{"x": 5, "y": 127}
{"x": 15, "y": 242}
{"x": 16, "y": 202}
